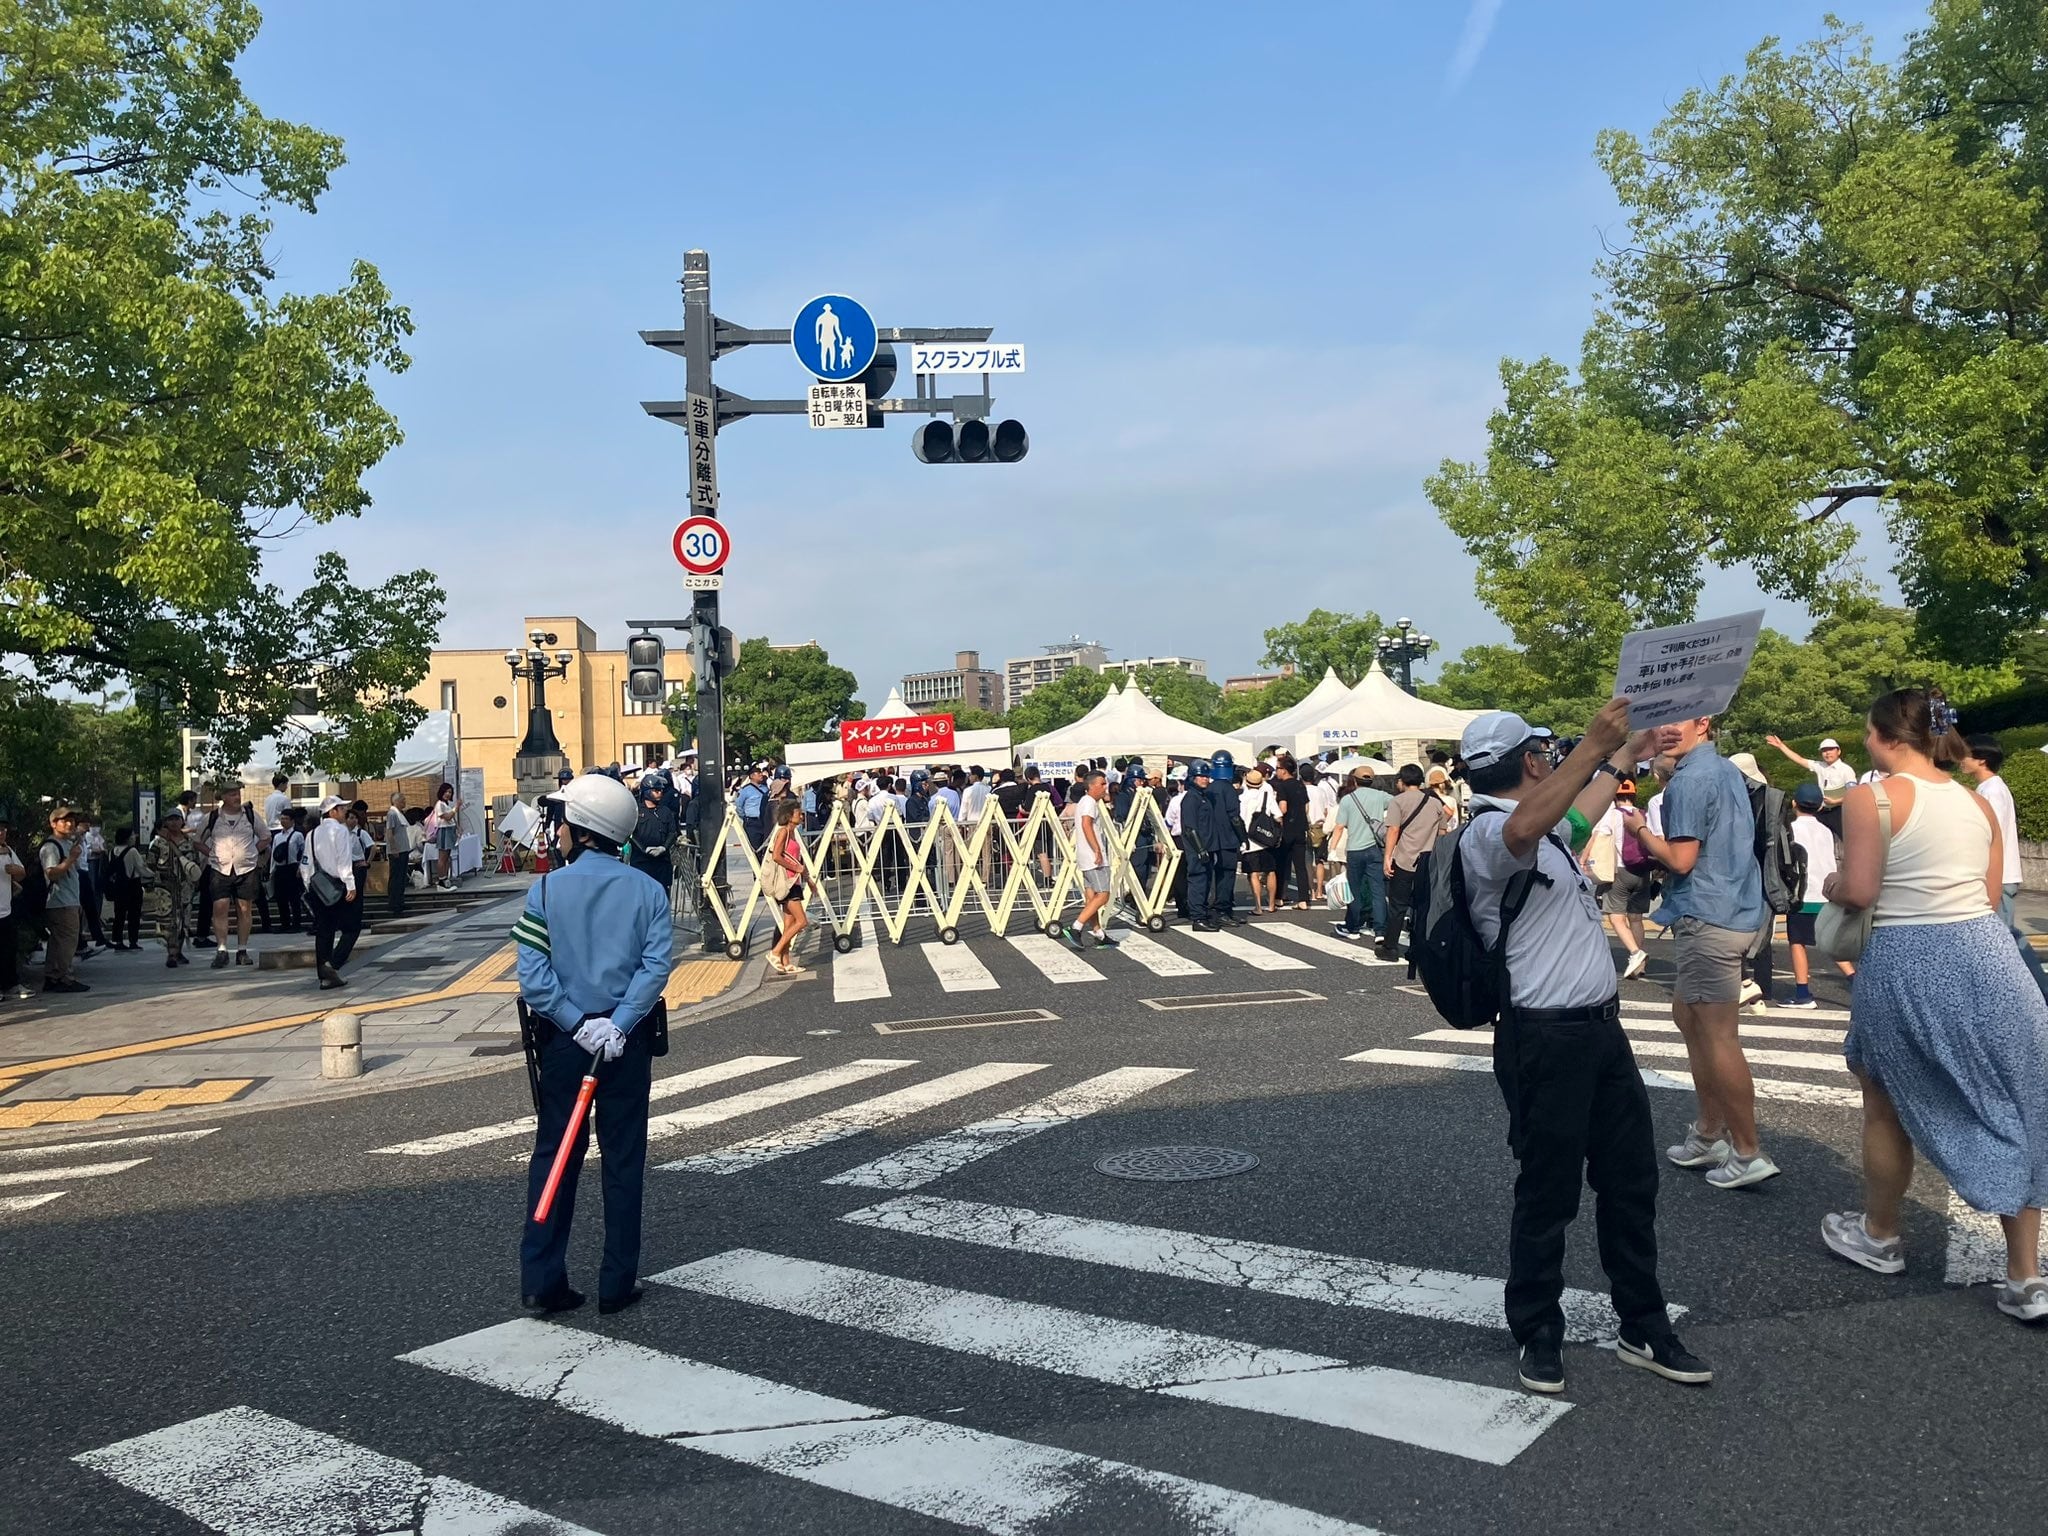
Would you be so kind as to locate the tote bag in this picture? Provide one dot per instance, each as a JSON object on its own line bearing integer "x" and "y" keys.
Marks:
{"x": 1839, "y": 933}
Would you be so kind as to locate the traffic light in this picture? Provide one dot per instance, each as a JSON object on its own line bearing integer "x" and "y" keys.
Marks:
{"x": 645, "y": 683}
{"x": 972, "y": 442}
{"x": 727, "y": 656}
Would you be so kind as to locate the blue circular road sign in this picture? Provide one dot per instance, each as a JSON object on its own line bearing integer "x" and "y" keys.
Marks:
{"x": 834, "y": 337}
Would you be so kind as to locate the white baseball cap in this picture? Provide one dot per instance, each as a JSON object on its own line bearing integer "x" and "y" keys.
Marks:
{"x": 330, "y": 803}
{"x": 1493, "y": 736}
{"x": 1828, "y": 743}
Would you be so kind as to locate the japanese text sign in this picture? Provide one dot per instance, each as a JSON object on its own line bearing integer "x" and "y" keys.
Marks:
{"x": 912, "y": 735}
{"x": 1686, "y": 671}
{"x": 839, "y": 405}
{"x": 964, "y": 357}
{"x": 703, "y": 428}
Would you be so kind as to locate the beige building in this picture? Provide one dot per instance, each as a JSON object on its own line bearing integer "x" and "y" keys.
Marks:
{"x": 967, "y": 682}
{"x": 1025, "y": 675}
{"x": 594, "y": 720}
{"x": 1136, "y": 664}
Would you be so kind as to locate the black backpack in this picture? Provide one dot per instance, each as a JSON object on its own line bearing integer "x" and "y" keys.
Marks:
{"x": 1779, "y": 857}
{"x": 1467, "y": 982}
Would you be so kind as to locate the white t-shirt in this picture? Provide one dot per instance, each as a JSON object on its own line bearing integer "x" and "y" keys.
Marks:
{"x": 1653, "y": 814}
{"x": 1557, "y": 946}
{"x": 1995, "y": 790}
{"x": 9, "y": 859}
{"x": 275, "y": 804}
{"x": 1809, "y": 833}
{"x": 1088, "y": 808}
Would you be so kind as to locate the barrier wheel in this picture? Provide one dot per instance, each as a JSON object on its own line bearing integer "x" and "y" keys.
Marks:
{"x": 1052, "y": 929}
{"x": 1155, "y": 924}
{"x": 736, "y": 950}
{"x": 949, "y": 935}
{"x": 843, "y": 943}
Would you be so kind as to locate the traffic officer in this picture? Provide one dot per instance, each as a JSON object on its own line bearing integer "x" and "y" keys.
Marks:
{"x": 1229, "y": 844}
{"x": 1199, "y": 830}
{"x": 595, "y": 946}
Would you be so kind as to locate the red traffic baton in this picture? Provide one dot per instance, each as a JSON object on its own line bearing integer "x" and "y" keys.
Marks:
{"x": 583, "y": 1097}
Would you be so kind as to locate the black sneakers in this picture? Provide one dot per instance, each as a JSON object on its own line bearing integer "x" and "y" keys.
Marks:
{"x": 1662, "y": 1353}
{"x": 564, "y": 1300}
{"x": 1543, "y": 1364}
{"x": 607, "y": 1305}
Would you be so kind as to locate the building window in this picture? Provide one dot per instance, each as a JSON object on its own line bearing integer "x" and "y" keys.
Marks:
{"x": 640, "y": 753}
{"x": 448, "y": 695}
{"x": 628, "y": 705}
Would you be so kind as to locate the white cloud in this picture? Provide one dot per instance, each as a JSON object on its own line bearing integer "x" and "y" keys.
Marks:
{"x": 1471, "y": 43}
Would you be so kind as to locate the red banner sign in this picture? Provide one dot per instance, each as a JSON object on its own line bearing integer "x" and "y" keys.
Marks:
{"x": 913, "y": 735}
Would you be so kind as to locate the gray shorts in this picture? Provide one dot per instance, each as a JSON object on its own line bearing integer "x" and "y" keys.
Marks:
{"x": 1710, "y": 961}
{"x": 1096, "y": 879}
{"x": 1628, "y": 894}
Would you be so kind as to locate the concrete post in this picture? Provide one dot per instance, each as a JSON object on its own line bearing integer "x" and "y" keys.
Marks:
{"x": 341, "y": 1045}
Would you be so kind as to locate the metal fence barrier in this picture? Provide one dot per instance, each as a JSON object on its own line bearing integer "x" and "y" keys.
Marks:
{"x": 894, "y": 873}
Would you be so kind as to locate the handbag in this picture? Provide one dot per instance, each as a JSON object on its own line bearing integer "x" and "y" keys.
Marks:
{"x": 326, "y": 889}
{"x": 1839, "y": 933}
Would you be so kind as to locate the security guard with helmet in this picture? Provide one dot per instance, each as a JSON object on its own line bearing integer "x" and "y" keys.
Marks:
{"x": 595, "y": 944}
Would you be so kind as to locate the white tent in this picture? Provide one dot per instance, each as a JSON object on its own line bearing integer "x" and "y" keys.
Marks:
{"x": 430, "y": 752}
{"x": 1377, "y": 710}
{"x": 810, "y": 761}
{"x": 1282, "y": 725}
{"x": 1126, "y": 724}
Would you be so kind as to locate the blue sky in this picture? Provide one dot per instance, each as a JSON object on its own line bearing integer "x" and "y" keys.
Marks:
{"x": 1265, "y": 261}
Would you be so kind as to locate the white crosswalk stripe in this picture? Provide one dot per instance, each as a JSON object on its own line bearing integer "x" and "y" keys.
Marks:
{"x": 1257, "y": 956}
{"x": 78, "y": 1171}
{"x": 1812, "y": 1061}
{"x": 245, "y": 1473}
{"x": 1337, "y": 1279}
{"x": 65, "y": 1148}
{"x": 1156, "y": 957}
{"x": 30, "y": 1202}
{"x": 697, "y": 1116}
{"x": 1482, "y": 1423}
{"x": 946, "y": 1470}
{"x": 1356, "y": 951}
{"x": 1783, "y": 1089}
{"x": 958, "y": 968}
{"x": 663, "y": 1088}
{"x": 929, "y": 1160}
{"x": 857, "y": 975}
{"x": 1053, "y": 959}
{"x": 838, "y": 1124}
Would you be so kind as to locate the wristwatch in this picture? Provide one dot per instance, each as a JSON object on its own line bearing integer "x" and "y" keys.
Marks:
{"x": 1606, "y": 768}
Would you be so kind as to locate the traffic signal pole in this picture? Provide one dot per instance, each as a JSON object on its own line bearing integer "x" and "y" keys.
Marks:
{"x": 707, "y": 409}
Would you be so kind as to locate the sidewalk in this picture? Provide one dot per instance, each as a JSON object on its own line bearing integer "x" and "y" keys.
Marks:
{"x": 435, "y": 1004}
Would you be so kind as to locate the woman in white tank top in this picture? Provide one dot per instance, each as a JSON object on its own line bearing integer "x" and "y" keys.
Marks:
{"x": 1947, "y": 1032}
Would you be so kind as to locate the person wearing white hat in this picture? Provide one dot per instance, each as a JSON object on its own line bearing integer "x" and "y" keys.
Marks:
{"x": 1829, "y": 771}
{"x": 595, "y": 945}
{"x": 329, "y": 872}
{"x": 1577, "y": 1108}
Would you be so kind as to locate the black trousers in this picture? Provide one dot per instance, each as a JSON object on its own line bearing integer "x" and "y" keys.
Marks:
{"x": 1292, "y": 854}
{"x": 1578, "y": 1113}
{"x": 398, "y": 869}
{"x": 1223, "y": 882}
{"x": 202, "y": 908}
{"x": 90, "y": 894}
{"x": 621, "y": 1113}
{"x": 335, "y": 930}
{"x": 128, "y": 912}
{"x": 1400, "y": 895}
{"x": 10, "y": 952}
{"x": 291, "y": 898}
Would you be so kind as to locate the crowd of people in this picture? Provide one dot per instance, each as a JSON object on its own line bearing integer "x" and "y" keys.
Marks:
{"x": 210, "y": 877}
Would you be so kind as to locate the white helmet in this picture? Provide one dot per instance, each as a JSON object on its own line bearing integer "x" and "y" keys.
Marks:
{"x": 599, "y": 803}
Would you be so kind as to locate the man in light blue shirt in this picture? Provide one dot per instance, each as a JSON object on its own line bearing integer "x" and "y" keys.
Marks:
{"x": 751, "y": 802}
{"x": 1714, "y": 903}
{"x": 1362, "y": 812}
{"x": 595, "y": 944}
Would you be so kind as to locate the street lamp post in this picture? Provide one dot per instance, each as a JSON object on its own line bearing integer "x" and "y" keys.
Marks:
{"x": 540, "y": 757}
{"x": 1404, "y": 648}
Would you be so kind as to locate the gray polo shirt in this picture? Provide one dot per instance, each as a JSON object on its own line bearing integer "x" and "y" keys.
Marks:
{"x": 64, "y": 887}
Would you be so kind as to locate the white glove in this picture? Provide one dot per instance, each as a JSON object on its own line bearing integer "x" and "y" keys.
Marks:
{"x": 602, "y": 1038}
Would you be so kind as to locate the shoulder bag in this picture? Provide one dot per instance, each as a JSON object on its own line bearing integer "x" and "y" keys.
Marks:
{"x": 1264, "y": 827}
{"x": 1839, "y": 933}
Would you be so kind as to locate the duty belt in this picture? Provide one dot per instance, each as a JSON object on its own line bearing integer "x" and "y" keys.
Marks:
{"x": 1600, "y": 1013}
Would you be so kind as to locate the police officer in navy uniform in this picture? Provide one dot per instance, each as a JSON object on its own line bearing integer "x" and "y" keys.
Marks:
{"x": 595, "y": 945}
{"x": 1229, "y": 845}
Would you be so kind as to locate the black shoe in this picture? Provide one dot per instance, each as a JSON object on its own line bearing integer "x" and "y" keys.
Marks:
{"x": 607, "y": 1305}
{"x": 1662, "y": 1353}
{"x": 184, "y": 959}
{"x": 1106, "y": 941}
{"x": 1204, "y": 927}
{"x": 1382, "y": 952}
{"x": 564, "y": 1300}
{"x": 243, "y": 957}
{"x": 330, "y": 977}
{"x": 171, "y": 962}
{"x": 220, "y": 959}
{"x": 1543, "y": 1364}
{"x": 1235, "y": 921}
{"x": 65, "y": 986}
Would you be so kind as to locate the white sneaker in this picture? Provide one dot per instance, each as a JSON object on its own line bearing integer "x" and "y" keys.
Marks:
{"x": 1697, "y": 1152}
{"x": 1848, "y": 1233}
{"x": 1638, "y": 962}
{"x": 1741, "y": 1172}
{"x": 1751, "y": 993}
{"x": 2026, "y": 1300}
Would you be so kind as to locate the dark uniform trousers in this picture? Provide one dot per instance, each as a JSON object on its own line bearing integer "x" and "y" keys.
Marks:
{"x": 1577, "y": 1111}
{"x": 620, "y": 1109}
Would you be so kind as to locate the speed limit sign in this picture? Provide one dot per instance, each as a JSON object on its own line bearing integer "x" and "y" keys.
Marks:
{"x": 701, "y": 546}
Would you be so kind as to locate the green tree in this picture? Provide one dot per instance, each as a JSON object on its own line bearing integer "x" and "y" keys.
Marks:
{"x": 1833, "y": 291}
{"x": 968, "y": 718}
{"x": 775, "y": 697}
{"x": 1248, "y": 704}
{"x": 164, "y": 408}
{"x": 1323, "y": 640}
{"x": 1061, "y": 702}
{"x": 1181, "y": 694}
{"x": 87, "y": 754}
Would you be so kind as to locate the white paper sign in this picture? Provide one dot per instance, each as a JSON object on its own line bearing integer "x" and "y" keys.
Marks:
{"x": 965, "y": 357}
{"x": 1686, "y": 671}
{"x": 839, "y": 405}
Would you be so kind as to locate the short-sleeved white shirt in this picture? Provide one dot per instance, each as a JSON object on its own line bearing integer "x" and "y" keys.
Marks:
{"x": 1995, "y": 791}
{"x": 9, "y": 859}
{"x": 1809, "y": 833}
{"x": 1831, "y": 776}
{"x": 1087, "y": 808}
{"x": 1557, "y": 947}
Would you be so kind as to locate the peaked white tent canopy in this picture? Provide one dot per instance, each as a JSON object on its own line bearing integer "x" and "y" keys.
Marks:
{"x": 1377, "y": 710}
{"x": 1282, "y": 725}
{"x": 1126, "y": 724}
{"x": 431, "y": 752}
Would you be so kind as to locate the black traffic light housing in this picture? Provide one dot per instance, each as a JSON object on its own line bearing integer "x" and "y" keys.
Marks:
{"x": 972, "y": 442}
{"x": 645, "y": 681}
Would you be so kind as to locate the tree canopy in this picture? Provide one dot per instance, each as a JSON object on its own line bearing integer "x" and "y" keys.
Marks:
{"x": 1060, "y": 702}
{"x": 1833, "y": 291}
{"x": 165, "y": 408}
{"x": 1322, "y": 640}
{"x": 775, "y": 697}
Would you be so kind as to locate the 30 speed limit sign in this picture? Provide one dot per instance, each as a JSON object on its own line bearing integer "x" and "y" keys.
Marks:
{"x": 701, "y": 546}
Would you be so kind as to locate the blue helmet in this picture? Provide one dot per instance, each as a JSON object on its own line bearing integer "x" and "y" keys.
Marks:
{"x": 1223, "y": 768}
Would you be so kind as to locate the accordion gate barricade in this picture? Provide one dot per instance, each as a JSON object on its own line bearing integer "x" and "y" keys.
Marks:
{"x": 893, "y": 873}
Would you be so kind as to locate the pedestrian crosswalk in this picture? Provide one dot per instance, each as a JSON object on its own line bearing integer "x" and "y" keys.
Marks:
{"x": 26, "y": 1172}
{"x": 1652, "y": 1035}
{"x": 863, "y": 974}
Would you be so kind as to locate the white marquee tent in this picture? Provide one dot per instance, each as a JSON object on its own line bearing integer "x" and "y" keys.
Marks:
{"x": 430, "y": 752}
{"x": 1126, "y": 724}
{"x": 1376, "y": 710}
{"x": 1281, "y": 726}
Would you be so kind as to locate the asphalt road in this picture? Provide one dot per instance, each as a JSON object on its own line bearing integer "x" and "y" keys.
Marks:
{"x": 1336, "y": 1362}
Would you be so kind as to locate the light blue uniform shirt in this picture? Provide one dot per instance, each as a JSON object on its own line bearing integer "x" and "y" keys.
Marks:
{"x": 595, "y": 938}
{"x": 1708, "y": 800}
{"x": 750, "y": 800}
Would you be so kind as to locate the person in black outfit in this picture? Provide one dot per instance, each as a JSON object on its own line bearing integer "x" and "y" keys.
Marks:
{"x": 124, "y": 881}
{"x": 1292, "y": 852}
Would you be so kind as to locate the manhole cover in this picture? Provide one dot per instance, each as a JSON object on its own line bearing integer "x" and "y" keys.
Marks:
{"x": 1176, "y": 1163}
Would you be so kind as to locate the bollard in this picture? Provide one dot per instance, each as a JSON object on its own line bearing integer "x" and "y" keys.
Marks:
{"x": 341, "y": 1045}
